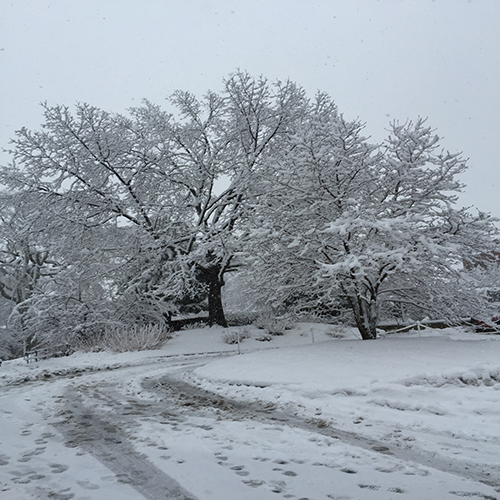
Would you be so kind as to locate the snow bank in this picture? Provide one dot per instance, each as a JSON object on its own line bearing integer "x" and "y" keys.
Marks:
{"x": 333, "y": 365}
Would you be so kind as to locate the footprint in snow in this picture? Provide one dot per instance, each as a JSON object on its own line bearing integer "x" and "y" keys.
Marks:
{"x": 348, "y": 471}
{"x": 277, "y": 486}
{"x": 239, "y": 469}
{"x": 60, "y": 495}
{"x": 221, "y": 458}
{"x": 87, "y": 485}
{"x": 58, "y": 468}
{"x": 35, "y": 477}
{"x": 368, "y": 487}
{"x": 253, "y": 483}
{"x": 21, "y": 480}
{"x": 385, "y": 470}
{"x": 123, "y": 478}
{"x": 396, "y": 490}
{"x": 382, "y": 449}
{"x": 29, "y": 455}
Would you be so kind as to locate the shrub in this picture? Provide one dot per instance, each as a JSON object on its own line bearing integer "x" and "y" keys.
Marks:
{"x": 235, "y": 336}
{"x": 125, "y": 339}
{"x": 273, "y": 326}
{"x": 195, "y": 325}
{"x": 264, "y": 337}
{"x": 336, "y": 331}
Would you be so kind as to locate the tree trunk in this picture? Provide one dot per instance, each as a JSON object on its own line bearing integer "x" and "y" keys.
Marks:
{"x": 215, "y": 308}
{"x": 366, "y": 316}
{"x": 213, "y": 277}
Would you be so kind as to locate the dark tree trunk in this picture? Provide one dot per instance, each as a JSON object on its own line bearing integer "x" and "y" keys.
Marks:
{"x": 215, "y": 308}
{"x": 366, "y": 316}
{"x": 213, "y": 277}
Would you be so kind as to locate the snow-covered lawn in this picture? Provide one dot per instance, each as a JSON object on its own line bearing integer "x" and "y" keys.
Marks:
{"x": 408, "y": 416}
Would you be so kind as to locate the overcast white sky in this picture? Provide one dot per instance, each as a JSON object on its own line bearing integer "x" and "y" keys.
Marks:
{"x": 380, "y": 60}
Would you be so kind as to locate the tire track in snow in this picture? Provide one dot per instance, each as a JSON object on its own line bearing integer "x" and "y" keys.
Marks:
{"x": 182, "y": 399}
{"x": 190, "y": 396}
{"x": 83, "y": 428}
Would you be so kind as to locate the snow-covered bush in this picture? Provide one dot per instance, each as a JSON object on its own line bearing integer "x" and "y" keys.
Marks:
{"x": 273, "y": 326}
{"x": 336, "y": 331}
{"x": 264, "y": 337}
{"x": 194, "y": 325}
{"x": 236, "y": 336}
{"x": 125, "y": 339}
{"x": 7, "y": 345}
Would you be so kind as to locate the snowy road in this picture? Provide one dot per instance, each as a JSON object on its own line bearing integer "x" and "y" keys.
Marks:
{"x": 142, "y": 432}
{"x": 69, "y": 437}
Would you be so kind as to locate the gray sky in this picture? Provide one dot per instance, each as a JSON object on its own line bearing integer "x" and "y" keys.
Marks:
{"x": 379, "y": 60}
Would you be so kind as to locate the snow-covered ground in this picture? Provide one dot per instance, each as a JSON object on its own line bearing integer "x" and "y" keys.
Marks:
{"x": 304, "y": 416}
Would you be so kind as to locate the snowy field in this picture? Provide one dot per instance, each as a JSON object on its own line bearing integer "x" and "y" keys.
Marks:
{"x": 303, "y": 416}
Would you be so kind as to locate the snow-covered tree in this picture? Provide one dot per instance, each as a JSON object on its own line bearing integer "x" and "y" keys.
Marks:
{"x": 354, "y": 223}
{"x": 110, "y": 174}
{"x": 26, "y": 261}
{"x": 227, "y": 138}
{"x": 317, "y": 177}
{"x": 156, "y": 177}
